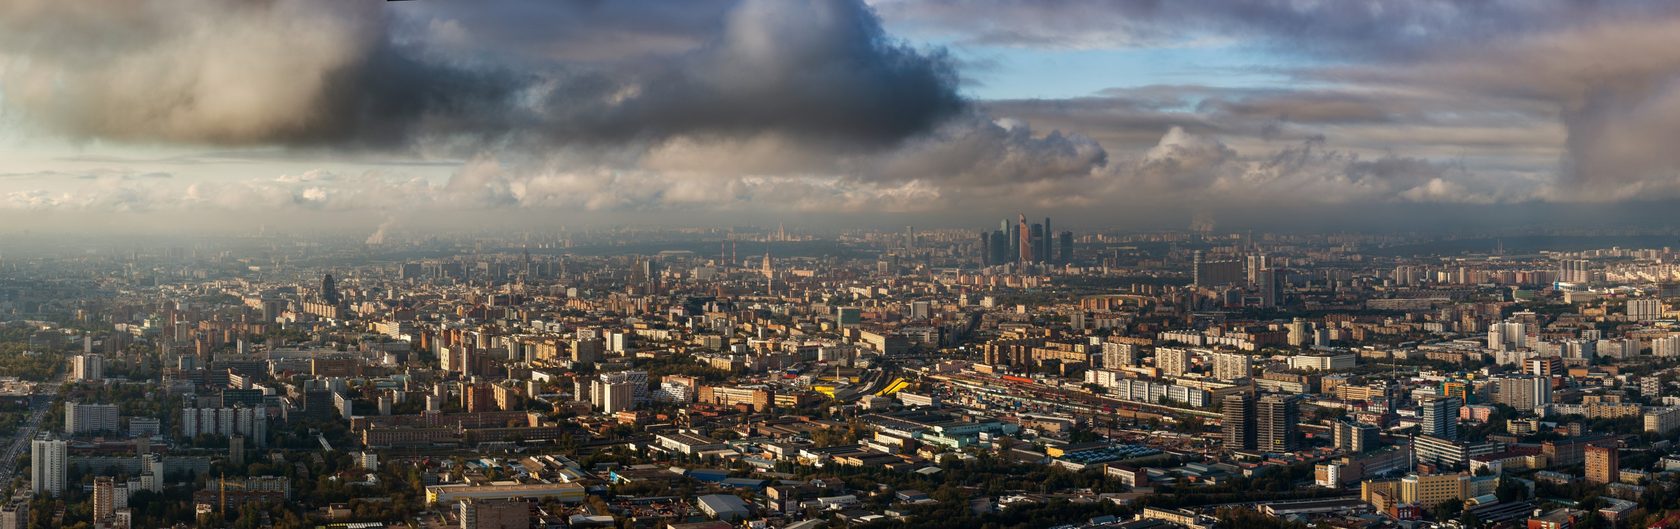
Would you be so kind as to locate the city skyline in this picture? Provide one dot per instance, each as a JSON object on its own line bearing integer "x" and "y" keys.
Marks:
{"x": 701, "y": 378}
{"x": 187, "y": 115}
{"x": 839, "y": 264}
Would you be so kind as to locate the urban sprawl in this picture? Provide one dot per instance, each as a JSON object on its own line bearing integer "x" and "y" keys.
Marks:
{"x": 1015, "y": 376}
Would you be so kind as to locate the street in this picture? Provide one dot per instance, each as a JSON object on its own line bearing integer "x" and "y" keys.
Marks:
{"x": 38, "y": 406}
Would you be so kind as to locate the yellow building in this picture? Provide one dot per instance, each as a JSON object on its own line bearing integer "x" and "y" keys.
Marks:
{"x": 1381, "y": 494}
{"x": 502, "y": 490}
{"x": 1427, "y": 491}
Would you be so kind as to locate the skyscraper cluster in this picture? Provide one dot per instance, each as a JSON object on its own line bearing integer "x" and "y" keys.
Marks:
{"x": 1022, "y": 243}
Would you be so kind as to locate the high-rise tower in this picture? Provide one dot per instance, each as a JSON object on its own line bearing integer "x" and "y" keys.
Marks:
{"x": 1196, "y": 268}
{"x": 329, "y": 290}
{"x": 1064, "y": 248}
{"x": 1440, "y": 417}
{"x": 1048, "y": 248}
{"x": 1037, "y": 241}
{"x": 1025, "y": 241}
{"x": 47, "y": 459}
{"x": 1277, "y": 419}
{"x": 1238, "y": 427}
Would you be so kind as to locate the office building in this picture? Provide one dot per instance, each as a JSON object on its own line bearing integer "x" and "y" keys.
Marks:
{"x": 1047, "y": 244}
{"x": 494, "y": 514}
{"x": 1458, "y": 389}
{"x": 1037, "y": 243}
{"x": 1545, "y": 367}
{"x": 1064, "y": 248}
{"x": 1355, "y": 437}
{"x": 1440, "y": 417}
{"x": 1427, "y": 491}
{"x": 1448, "y": 453}
{"x": 1323, "y": 362}
{"x": 329, "y": 290}
{"x": 1025, "y": 244}
{"x": 1270, "y": 288}
{"x": 1277, "y": 423}
{"x": 1238, "y": 422}
{"x": 144, "y": 427}
{"x": 998, "y": 248}
{"x": 564, "y": 492}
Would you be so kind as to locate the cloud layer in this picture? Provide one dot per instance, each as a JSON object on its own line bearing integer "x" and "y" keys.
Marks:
{"x": 813, "y": 106}
{"x": 348, "y": 74}
{"x": 1552, "y": 100}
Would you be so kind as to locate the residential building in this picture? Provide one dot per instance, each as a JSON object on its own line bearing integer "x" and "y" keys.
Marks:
{"x": 91, "y": 418}
{"x": 1603, "y": 465}
{"x": 47, "y": 461}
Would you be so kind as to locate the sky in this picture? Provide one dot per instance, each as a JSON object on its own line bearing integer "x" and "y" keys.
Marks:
{"x": 184, "y": 115}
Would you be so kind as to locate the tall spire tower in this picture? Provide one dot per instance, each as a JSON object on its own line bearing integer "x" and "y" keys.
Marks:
{"x": 1025, "y": 241}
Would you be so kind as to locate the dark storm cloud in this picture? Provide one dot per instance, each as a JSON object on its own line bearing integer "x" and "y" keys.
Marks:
{"x": 814, "y": 68}
{"x": 356, "y": 74}
{"x": 226, "y": 73}
{"x": 563, "y": 31}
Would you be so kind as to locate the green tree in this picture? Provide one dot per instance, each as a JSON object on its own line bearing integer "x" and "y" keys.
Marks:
{"x": 1449, "y": 509}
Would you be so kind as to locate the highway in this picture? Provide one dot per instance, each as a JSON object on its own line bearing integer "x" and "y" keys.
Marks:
{"x": 39, "y": 403}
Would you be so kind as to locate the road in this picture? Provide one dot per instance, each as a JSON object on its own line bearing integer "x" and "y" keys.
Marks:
{"x": 39, "y": 403}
